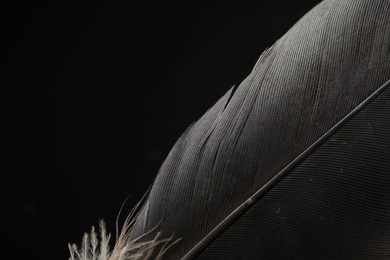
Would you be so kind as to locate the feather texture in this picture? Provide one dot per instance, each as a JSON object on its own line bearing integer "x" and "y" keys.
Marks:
{"x": 328, "y": 63}
{"x": 124, "y": 248}
{"x": 235, "y": 171}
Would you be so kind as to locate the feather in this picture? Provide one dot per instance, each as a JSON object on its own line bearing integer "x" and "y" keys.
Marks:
{"x": 258, "y": 175}
{"x": 104, "y": 242}
{"x": 94, "y": 244}
{"x": 125, "y": 248}
{"x": 327, "y": 64}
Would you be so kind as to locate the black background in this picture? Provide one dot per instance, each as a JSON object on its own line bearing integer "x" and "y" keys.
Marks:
{"x": 97, "y": 94}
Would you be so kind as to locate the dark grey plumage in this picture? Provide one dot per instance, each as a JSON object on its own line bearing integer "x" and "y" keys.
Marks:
{"x": 328, "y": 63}
{"x": 319, "y": 72}
{"x": 335, "y": 57}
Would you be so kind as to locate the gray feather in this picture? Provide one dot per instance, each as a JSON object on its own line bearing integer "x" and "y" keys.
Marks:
{"x": 328, "y": 63}
{"x": 335, "y": 57}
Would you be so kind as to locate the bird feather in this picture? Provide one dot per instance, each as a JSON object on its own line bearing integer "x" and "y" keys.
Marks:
{"x": 228, "y": 177}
